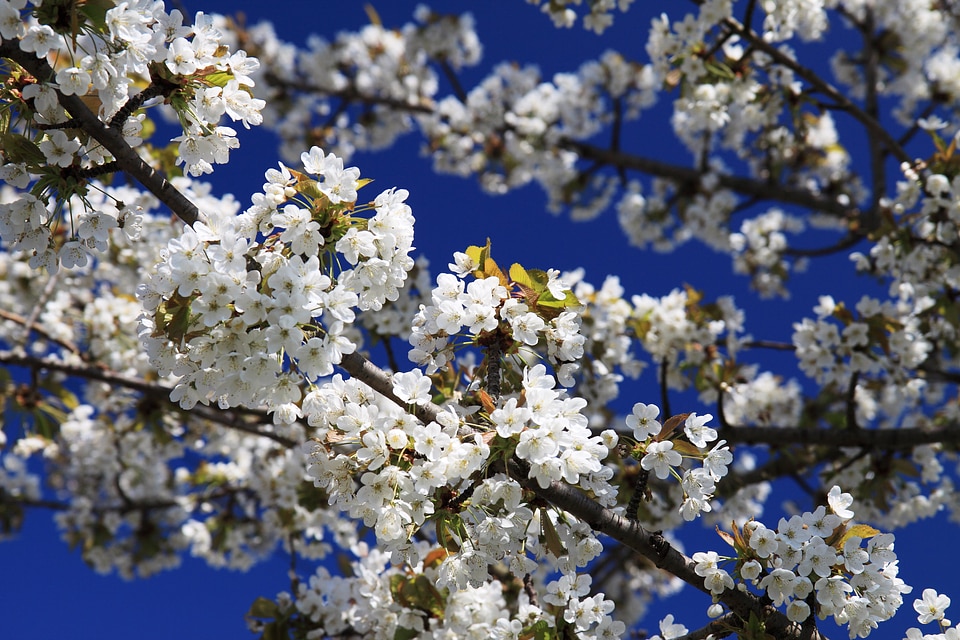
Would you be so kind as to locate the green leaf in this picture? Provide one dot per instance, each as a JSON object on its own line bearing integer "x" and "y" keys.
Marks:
{"x": 539, "y": 278}
{"x": 173, "y": 318}
{"x": 479, "y": 255}
{"x": 417, "y": 592}
{"x": 719, "y": 70}
{"x": 397, "y": 581}
{"x": 219, "y": 78}
{"x": 541, "y": 630}
{"x": 519, "y": 275}
{"x": 45, "y": 425}
{"x": 549, "y": 535}
{"x": 404, "y": 634}
{"x": 19, "y": 148}
{"x": 569, "y": 300}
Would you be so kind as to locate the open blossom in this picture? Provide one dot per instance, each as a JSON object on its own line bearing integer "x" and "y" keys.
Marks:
{"x": 661, "y": 458}
{"x": 931, "y": 606}
{"x": 669, "y": 629}
{"x": 643, "y": 421}
{"x": 839, "y": 503}
{"x": 412, "y": 387}
{"x": 59, "y": 149}
{"x": 697, "y": 431}
{"x": 73, "y": 81}
{"x": 779, "y": 585}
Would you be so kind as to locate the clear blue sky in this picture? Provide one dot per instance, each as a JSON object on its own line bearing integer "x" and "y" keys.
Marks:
{"x": 46, "y": 592}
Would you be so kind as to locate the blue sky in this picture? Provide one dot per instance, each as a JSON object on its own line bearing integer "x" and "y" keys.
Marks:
{"x": 47, "y": 592}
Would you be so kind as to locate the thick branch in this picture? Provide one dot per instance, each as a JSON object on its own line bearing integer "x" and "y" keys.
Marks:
{"x": 111, "y": 138}
{"x": 719, "y": 628}
{"x": 381, "y": 382}
{"x": 887, "y": 439}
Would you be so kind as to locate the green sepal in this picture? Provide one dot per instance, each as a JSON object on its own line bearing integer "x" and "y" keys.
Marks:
{"x": 450, "y": 531}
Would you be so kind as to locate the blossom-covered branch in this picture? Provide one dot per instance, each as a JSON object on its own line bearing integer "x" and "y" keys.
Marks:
{"x": 111, "y": 138}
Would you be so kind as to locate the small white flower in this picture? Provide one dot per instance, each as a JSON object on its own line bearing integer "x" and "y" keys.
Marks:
{"x": 412, "y": 387}
{"x": 750, "y": 570}
{"x": 59, "y": 149}
{"x": 643, "y": 421}
{"x": 660, "y": 458}
{"x": 73, "y": 81}
{"x": 839, "y": 502}
{"x": 697, "y": 431}
{"x": 931, "y": 607}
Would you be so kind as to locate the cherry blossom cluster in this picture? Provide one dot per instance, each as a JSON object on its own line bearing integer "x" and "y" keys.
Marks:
{"x": 759, "y": 247}
{"x": 507, "y": 129}
{"x": 408, "y": 470}
{"x": 131, "y": 501}
{"x": 244, "y": 309}
{"x": 492, "y": 310}
{"x": 412, "y": 473}
{"x": 676, "y": 328}
{"x": 662, "y": 454}
{"x": 880, "y": 337}
{"x": 26, "y": 223}
{"x": 608, "y": 351}
{"x": 816, "y": 563}
{"x": 599, "y": 17}
{"x": 386, "y": 72}
{"x": 109, "y": 61}
{"x": 139, "y": 39}
{"x": 391, "y": 601}
{"x": 647, "y": 221}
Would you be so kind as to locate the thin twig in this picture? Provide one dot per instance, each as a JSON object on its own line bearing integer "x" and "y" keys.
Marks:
{"x": 48, "y": 289}
{"x": 66, "y": 344}
{"x": 151, "y": 389}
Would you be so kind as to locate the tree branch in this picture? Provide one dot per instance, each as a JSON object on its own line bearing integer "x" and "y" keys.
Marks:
{"x": 744, "y": 186}
{"x": 350, "y": 95}
{"x": 657, "y": 550}
{"x": 151, "y": 389}
{"x": 111, "y": 138}
{"x": 616, "y": 158}
{"x": 722, "y": 627}
{"x": 18, "y": 319}
{"x": 872, "y": 125}
{"x": 888, "y": 439}
{"x": 381, "y": 382}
